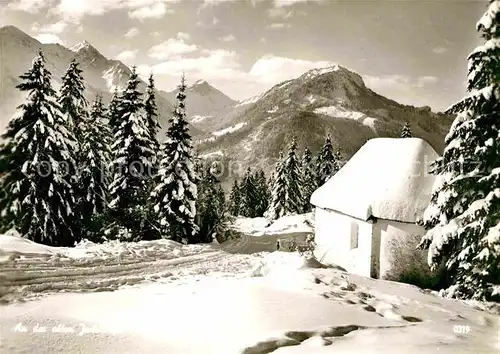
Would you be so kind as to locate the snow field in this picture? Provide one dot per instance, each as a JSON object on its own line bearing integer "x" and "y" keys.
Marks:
{"x": 290, "y": 305}
{"x": 29, "y": 270}
{"x": 32, "y": 270}
{"x": 397, "y": 317}
{"x": 228, "y": 298}
{"x": 341, "y": 112}
{"x": 229, "y": 130}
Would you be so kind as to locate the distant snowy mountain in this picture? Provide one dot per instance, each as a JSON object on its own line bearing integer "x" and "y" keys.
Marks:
{"x": 331, "y": 100}
{"x": 203, "y": 102}
{"x": 101, "y": 74}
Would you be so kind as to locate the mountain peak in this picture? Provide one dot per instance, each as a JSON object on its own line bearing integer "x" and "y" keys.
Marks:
{"x": 200, "y": 82}
{"x": 81, "y": 46}
{"x": 87, "y": 52}
{"x": 202, "y": 87}
{"x": 334, "y": 70}
{"x": 325, "y": 70}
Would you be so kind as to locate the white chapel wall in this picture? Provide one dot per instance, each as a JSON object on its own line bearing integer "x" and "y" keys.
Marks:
{"x": 344, "y": 241}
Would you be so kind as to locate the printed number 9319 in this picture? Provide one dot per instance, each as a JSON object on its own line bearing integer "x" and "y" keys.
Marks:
{"x": 461, "y": 329}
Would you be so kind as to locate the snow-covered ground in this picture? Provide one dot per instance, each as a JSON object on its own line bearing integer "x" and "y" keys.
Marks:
{"x": 261, "y": 235}
{"x": 199, "y": 118}
{"x": 229, "y": 130}
{"x": 250, "y": 100}
{"x": 177, "y": 299}
{"x": 341, "y": 112}
{"x": 211, "y": 154}
{"x": 284, "y": 225}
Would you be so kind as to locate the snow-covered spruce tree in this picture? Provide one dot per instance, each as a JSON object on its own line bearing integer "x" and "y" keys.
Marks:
{"x": 308, "y": 179}
{"x": 175, "y": 193}
{"x": 133, "y": 152}
{"x": 279, "y": 190}
{"x": 263, "y": 193}
{"x": 235, "y": 199}
{"x": 74, "y": 108}
{"x": 463, "y": 218}
{"x": 152, "y": 115}
{"x": 212, "y": 215}
{"x": 95, "y": 158}
{"x": 72, "y": 100}
{"x": 36, "y": 154}
{"x": 270, "y": 181}
{"x": 294, "y": 203}
{"x": 113, "y": 114}
{"x": 249, "y": 195}
{"x": 406, "y": 131}
{"x": 326, "y": 164}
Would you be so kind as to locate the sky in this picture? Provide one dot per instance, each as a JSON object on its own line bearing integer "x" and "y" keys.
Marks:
{"x": 412, "y": 51}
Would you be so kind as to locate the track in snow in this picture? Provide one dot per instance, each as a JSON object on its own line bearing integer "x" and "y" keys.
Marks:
{"x": 32, "y": 276}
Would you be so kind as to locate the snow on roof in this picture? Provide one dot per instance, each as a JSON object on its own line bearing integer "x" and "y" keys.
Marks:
{"x": 388, "y": 178}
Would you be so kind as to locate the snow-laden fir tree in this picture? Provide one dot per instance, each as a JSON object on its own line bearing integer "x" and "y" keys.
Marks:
{"x": 235, "y": 199}
{"x": 95, "y": 158}
{"x": 309, "y": 184}
{"x": 113, "y": 114}
{"x": 463, "y": 218}
{"x": 326, "y": 164}
{"x": 406, "y": 131}
{"x": 152, "y": 115}
{"x": 287, "y": 195}
{"x": 133, "y": 154}
{"x": 270, "y": 180}
{"x": 279, "y": 190}
{"x": 74, "y": 108}
{"x": 36, "y": 154}
{"x": 294, "y": 195}
{"x": 175, "y": 193}
{"x": 263, "y": 193}
{"x": 249, "y": 195}
{"x": 212, "y": 213}
{"x": 72, "y": 100}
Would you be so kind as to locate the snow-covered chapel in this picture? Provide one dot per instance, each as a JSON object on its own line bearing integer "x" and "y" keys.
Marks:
{"x": 372, "y": 205}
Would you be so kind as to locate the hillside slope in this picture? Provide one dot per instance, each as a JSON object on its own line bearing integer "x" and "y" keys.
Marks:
{"x": 204, "y": 103}
{"x": 331, "y": 100}
{"x": 101, "y": 75}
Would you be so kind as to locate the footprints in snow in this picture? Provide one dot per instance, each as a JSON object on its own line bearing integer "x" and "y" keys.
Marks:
{"x": 292, "y": 338}
{"x": 346, "y": 292}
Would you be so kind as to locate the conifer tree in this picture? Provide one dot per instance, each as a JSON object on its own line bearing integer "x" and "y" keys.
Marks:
{"x": 131, "y": 167}
{"x": 113, "y": 114}
{"x": 406, "y": 131}
{"x": 293, "y": 175}
{"x": 326, "y": 163}
{"x": 212, "y": 214}
{"x": 94, "y": 174}
{"x": 72, "y": 100}
{"x": 463, "y": 218}
{"x": 235, "y": 199}
{"x": 263, "y": 193}
{"x": 308, "y": 179}
{"x": 277, "y": 208}
{"x": 270, "y": 182}
{"x": 249, "y": 196}
{"x": 36, "y": 154}
{"x": 152, "y": 114}
{"x": 174, "y": 196}
{"x": 74, "y": 108}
